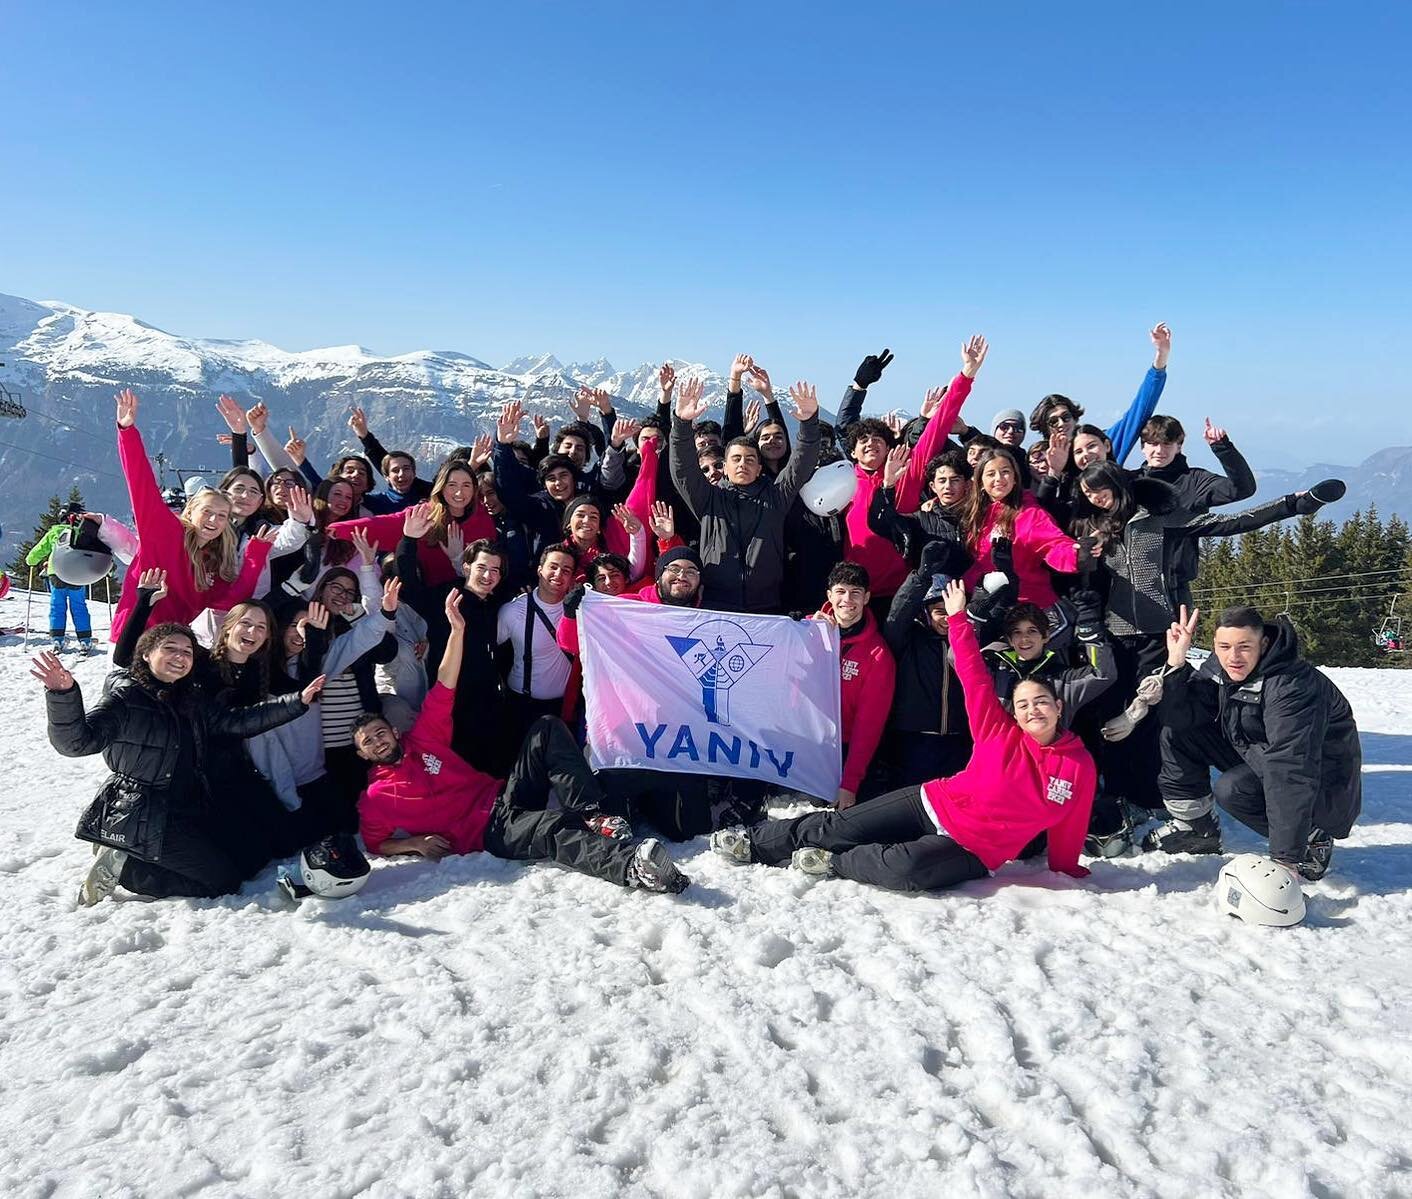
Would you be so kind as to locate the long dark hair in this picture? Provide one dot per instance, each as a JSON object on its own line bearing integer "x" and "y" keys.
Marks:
{"x": 260, "y": 659}
{"x": 1091, "y": 521}
{"x": 335, "y": 553}
{"x": 147, "y": 642}
{"x": 977, "y": 503}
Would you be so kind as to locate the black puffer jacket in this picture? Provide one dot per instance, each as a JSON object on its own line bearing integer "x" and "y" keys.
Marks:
{"x": 1289, "y": 724}
{"x": 927, "y": 696}
{"x": 742, "y": 542}
{"x": 138, "y": 729}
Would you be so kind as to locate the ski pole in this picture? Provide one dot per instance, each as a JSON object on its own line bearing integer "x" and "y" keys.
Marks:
{"x": 29, "y": 599}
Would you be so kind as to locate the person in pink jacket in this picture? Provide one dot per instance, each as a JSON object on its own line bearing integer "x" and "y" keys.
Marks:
{"x": 997, "y": 506}
{"x": 868, "y": 442}
{"x": 197, "y": 549}
{"x": 1026, "y": 776}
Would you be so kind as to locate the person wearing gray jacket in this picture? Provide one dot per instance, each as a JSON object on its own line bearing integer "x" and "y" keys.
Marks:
{"x": 742, "y": 543}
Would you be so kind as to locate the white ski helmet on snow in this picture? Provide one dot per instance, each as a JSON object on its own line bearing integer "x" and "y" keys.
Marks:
{"x": 831, "y": 489}
{"x": 334, "y": 867}
{"x": 1259, "y": 891}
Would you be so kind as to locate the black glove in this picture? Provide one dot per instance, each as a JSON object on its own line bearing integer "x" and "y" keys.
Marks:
{"x": 870, "y": 370}
{"x": 573, "y": 600}
{"x": 1088, "y": 614}
{"x": 1329, "y": 491}
{"x": 1002, "y": 553}
{"x": 942, "y": 556}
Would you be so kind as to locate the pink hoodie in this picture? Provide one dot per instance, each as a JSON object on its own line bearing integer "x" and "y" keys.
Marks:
{"x": 1013, "y": 788}
{"x": 874, "y": 553}
{"x": 161, "y": 535}
{"x": 1038, "y": 542}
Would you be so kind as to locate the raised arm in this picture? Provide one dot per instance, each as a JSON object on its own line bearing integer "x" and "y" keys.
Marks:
{"x": 1123, "y": 434}
{"x": 681, "y": 448}
{"x": 805, "y": 457}
{"x": 983, "y": 709}
{"x": 150, "y": 512}
{"x": 869, "y": 371}
{"x": 449, "y": 672}
{"x": 733, "y": 421}
{"x": 1239, "y": 483}
{"x": 945, "y": 409}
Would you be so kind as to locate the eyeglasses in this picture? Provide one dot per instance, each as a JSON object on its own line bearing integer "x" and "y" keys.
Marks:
{"x": 339, "y": 591}
{"x": 1059, "y": 420}
{"x": 681, "y": 572}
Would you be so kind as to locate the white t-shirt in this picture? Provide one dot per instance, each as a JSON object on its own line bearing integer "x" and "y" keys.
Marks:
{"x": 549, "y": 665}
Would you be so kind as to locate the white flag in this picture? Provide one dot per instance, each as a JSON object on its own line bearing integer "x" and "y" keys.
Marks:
{"x": 701, "y": 692}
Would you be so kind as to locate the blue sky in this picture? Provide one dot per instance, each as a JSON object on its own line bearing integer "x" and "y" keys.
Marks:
{"x": 803, "y": 182}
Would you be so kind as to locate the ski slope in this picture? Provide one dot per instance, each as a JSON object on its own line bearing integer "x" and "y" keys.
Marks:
{"x": 481, "y": 1028}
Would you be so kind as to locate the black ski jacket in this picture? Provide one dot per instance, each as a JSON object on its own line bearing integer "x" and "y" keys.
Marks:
{"x": 1291, "y": 726}
{"x": 139, "y": 731}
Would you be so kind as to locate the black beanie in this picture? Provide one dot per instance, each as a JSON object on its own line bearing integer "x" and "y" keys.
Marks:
{"x": 578, "y": 502}
{"x": 682, "y": 553}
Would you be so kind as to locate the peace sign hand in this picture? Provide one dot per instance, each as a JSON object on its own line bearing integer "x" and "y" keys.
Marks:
{"x": 1179, "y": 636}
{"x": 870, "y": 370}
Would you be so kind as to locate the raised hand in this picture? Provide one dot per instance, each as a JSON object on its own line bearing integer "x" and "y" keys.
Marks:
{"x": 360, "y": 541}
{"x": 895, "y": 421}
{"x": 1213, "y": 433}
{"x": 870, "y": 370}
{"x": 311, "y": 692}
{"x": 358, "y": 422}
{"x": 154, "y": 579}
{"x": 603, "y": 399}
{"x": 1162, "y": 340}
{"x": 896, "y": 465}
{"x": 666, "y": 379}
{"x": 973, "y": 355}
{"x": 691, "y": 400}
{"x": 453, "y": 612}
{"x": 295, "y": 447}
{"x": 932, "y": 401}
{"x": 315, "y": 615}
{"x": 455, "y": 545}
{"x": 267, "y": 534}
{"x": 664, "y": 521}
{"x": 47, "y": 668}
{"x": 416, "y": 521}
{"x": 759, "y": 379}
{"x": 631, "y": 525}
{"x": 955, "y": 597}
{"x": 1056, "y": 454}
{"x": 480, "y": 451}
{"x": 232, "y": 413}
{"x": 126, "y": 403}
{"x": 257, "y": 417}
{"x": 739, "y": 365}
{"x": 1180, "y": 634}
{"x": 752, "y": 415}
{"x": 622, "y": 430}
{"x": 298, "y": 504}
{"x": 507, "y": 428}
{"x": 582, "y": 403}
{"x": 806, "y": 400}
{"x": 541, "y": 427}
{"x": 391, "y": 594}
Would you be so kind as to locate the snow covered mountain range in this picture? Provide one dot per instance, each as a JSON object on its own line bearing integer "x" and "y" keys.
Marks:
{"x": 65, "y": 363}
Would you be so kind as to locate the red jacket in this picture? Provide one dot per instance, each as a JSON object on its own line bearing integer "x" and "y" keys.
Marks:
{"x": 429, "y": 789}
{"x": 868, "y": 674}
{"x": 875, "y": 553}
{"x": 161, "y": 543}
{"x": 384, "y": 532}
{"x": 1013, "y": 788}
{"x": 1038, "y": 542}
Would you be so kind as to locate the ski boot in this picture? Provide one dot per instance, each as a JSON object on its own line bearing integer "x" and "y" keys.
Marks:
{"x": 733, "y": 844}
{"x": 1202, "y": 835}
{"x": 1317, "y": 855}
{"x": 652, "y": 869}
{"x": 813, "y": 861}
{"x": 102, "y": 878}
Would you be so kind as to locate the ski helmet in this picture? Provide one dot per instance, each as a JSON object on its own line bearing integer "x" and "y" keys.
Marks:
{"x": 334, "y": 867}
{"x": 831, "y": 489}
{"x": 1259, "y": 891}
{"x": 76, "y": 567}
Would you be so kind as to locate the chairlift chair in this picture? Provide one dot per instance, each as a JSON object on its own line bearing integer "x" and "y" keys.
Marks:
{"x": 1389, "y": 637}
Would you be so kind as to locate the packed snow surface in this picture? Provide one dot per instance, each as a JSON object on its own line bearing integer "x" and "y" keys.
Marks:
{"x": 478, "y": 1027}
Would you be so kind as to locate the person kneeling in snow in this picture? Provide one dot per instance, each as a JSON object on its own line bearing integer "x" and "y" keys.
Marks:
{"x": 1026, "y": 776}
{"x": 423, "y": 799}
{"x": 1277, "y": 728}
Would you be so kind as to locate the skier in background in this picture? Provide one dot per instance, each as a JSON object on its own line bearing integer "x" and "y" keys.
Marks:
{"x": 64, "y": 600}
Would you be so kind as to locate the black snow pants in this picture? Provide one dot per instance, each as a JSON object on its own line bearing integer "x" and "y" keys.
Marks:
{"x": 889, "y": 841}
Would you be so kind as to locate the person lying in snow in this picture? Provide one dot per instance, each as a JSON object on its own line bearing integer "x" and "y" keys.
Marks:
{"x": 1026, "y": 776}
{"x": 423, "y": 799}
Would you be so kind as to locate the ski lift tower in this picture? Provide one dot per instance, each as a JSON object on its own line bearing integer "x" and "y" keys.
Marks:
{"x": 10, "y": 405}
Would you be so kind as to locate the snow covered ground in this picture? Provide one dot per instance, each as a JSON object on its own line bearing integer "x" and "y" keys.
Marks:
{"x": 477, "y": 1027}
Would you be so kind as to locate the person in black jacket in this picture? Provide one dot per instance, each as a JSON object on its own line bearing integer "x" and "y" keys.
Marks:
{"x": 1197, "y": 490}
{"x": 404, "y": 487}
{"x": 152, "y": 726}
{"x": 1279, "y": 731}
{"x": 928, "y": 734}
{"x": 743, "y": 520}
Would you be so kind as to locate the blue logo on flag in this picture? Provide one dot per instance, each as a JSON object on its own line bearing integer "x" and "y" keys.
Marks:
{"x": 719, "y": 654}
